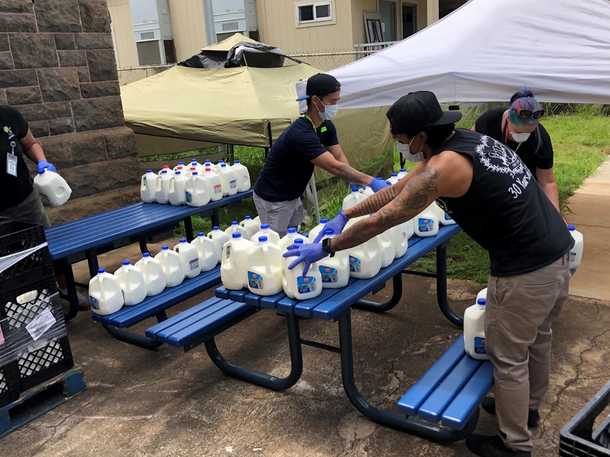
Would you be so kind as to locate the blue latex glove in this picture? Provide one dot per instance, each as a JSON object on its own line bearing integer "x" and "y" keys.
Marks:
{"x": 336, "y": 224}
{"x": 306, "y": 254}
{"x": 378, "y": 184}
{"x": 44, "y": 164}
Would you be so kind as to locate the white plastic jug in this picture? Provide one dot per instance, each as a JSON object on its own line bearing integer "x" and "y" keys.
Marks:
{"x": 290, "y": 238}
{"x": 228, "y": 179}
{"x": 482, "y": 294}
{"x": 180, "y": 166}
{"x": 208, "y": 163}
{"x": 410, "y": 227}
{"x": 393, "y": 179}
{"x": 427, "y": 224}
{"x": 166, "y": 168}
{"x": 162, "y": 186}
{"x": 243, "y": 176}
{"x": 353, "y": 198}
{"x": 400, "y": 239}
{"x": 272, "y": 236}
{"x": 105, "y": 295}
{"x": 334, "y": 271}
{"x": 154, "y": 277}
{"x": 219, "y": 237}
{"x": 53, "y": 186}
{"x": 578, "y": 249}
{"x": 443, "y": 217}
{"x": 236, "y": 227}
{"x": 189, "y": 257}
{"x": 257, "y": 219}
{"x": 365, "y": 259}
{"x": 132, "y": 283}
{"x": 197, "y": 191}
{"x": 402, "y": 173}
{"x": 209, "y": 254}
{"x": 474, "y": 330}
{"x": 234, "y": 262}
{"x": 196, "y": 165}
{"x": 388, "y": 251}
{"x": 286, "y": 261}
{"x": 148, "y": 186}
{"x": 177, "y": 189}
{"x": 214, "y": 182}
{"x": 265, "y": 268}
{"x": 250, "y": 226}
{"x": 317, "y": 229}
{"x": 188, "y": 171}
{"x": 172, "y": 266}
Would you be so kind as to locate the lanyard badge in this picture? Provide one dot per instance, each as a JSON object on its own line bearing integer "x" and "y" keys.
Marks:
{"x": 11, "y": 157}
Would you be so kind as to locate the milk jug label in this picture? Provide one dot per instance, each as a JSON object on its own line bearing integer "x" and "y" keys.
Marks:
{"x": 233, "y": 183}
{"x": 479, "y": 345}
{"x": 329, "y": 274}
{"x": 354, "y": 264}
{"x": 425, "y": 225}
{"x": 189, "y": 197}
{"x": 194, "y": 264}
{"x": 306, "y": 284}
{"x": 217, "y": 188}
{"x": 255, "y": 280}
{"x": 94, "y": 303}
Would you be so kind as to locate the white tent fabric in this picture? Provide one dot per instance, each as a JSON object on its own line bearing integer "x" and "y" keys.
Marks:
{"x": 487, "y": 49}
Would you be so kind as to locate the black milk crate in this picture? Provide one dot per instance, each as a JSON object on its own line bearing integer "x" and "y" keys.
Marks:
{"x": 49, "y": 356}
{"x": 580, "y": 437}
{"x": 16, "y": 237}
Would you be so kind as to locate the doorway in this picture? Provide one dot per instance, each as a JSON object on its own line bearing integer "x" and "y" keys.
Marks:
{"x": 387, "y": 11}
{"x": 409, "y": 19}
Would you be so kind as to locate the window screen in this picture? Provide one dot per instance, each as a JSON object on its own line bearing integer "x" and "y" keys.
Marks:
{"x": 322, "y": 11}
{"x": 149, "y": 53}
{"x": 306, "y": 13}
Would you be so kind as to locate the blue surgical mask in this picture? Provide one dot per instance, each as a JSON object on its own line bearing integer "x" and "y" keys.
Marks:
{"x": 330, "y": 111}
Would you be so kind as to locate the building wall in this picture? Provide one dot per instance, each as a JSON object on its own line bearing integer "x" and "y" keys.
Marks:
{"x": 188, "y": 27}
{"x": 57, "y": 67}
{"x": 122, "y": 34}
{"x": 359, "y": 7}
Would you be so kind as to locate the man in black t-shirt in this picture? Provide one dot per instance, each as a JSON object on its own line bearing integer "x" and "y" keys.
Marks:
{"x": 309, "y": 141}
{"x": 20, "y": 200}
{"x": 487, "y": 189}
{"x": 519, "y": 128}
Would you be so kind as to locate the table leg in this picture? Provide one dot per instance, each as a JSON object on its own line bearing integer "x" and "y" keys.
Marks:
{"x": 382, "y": 307}
{"x": 143, "y": 246}
{"x": 387, "y": 418}
{"x": 93, "y": 263}
{"x": 441, "y": 288}
{"x": 215, "y": 218}
{"x": 188, "y": 229}
{"x": 129, "y": 337}
{"x": 66, "y": 268}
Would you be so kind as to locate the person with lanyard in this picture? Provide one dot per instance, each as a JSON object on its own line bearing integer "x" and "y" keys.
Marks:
{"x": 488, "y": 190}
{"x": 20, "y": 199}
{"x": 519, "y": 128}
{"x": 308, "y": 142}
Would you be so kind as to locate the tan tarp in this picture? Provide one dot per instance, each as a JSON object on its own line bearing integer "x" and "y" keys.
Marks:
{"x": 227, "y": 44}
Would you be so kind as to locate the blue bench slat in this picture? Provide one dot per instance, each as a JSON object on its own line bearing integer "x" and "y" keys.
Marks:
{"x": 270, "y": 301}
{"x": 222, "y": 292}
{"x": 444, "y": 394}
{"x": 238, "y": 295}
{"x": 164, "y": 325}
{"x": 252, "y": 299}
{"x": 130, "y": 315}
{"x": 412, "y": 400}
{"x": 181, "y": 323}
{"x": 304, "y": 308}
{"x": 461, "y": 408}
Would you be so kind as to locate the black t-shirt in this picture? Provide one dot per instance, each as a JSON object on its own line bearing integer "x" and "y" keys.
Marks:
{"x": 13, "y": 190}
{"x": 536, "y": 152}
{"x": 288, "y": 167}
{"x": 505, "y": 210}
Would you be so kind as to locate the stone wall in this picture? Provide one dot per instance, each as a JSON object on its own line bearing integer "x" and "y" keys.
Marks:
{"x": 57, "y": 67}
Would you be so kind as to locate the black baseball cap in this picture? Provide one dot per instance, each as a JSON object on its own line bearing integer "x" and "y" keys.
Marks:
{"x": 322, "y": 84}
{"x": 416, "y": 111}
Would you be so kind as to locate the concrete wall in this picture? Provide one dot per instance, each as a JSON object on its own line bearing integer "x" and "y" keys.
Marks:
{"x": 57, "y": 67}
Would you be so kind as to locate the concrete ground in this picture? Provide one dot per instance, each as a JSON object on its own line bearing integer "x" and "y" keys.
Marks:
{"x": 170, "y": 403}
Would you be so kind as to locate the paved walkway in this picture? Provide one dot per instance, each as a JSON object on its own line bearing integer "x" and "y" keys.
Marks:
{"x": 590, "y": 212}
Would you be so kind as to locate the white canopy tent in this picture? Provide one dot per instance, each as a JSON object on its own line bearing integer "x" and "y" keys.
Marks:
{"x": 487, "y": 49}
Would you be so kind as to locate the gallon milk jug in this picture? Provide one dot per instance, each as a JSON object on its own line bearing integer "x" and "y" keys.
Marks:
{"x": 427, "y": 224}
{"x": 482, "y": 294}
{"x": 162, "y": 186}
{"x": 209, "y": 254}
{"x": 154, "y": 277}
{"x": 172, "y": 266}
{"x": 228, "y": 179}
{"x": 272, "y": 236}
{"x": 353, "y": 198}
{"x": 234, "y": 262}
{"x": 189, "y": 257}
{"x": 410, "y": 227}
{"x": 148, "y": 186}
{"x": 257, "y": 220}
{"x": 317, "y": 229}
{"x": 334, "y": 271}
{"x": 388, "y": 252}
{"x": 286, "y": 261}
{"x": 105, "y": 295}
{"x": 208, "y": 163}
{"x": 219, "y": 237}
{"x": 402, "y": 173}
{"x": 302, "y": 286}
{"x": 440, "y": 213}
{"x": 243, "y": 176}
{"x": 214, "y": 183}
{"x": 393, "y": 179}
{"x": 197, "y": 191}
{"x": 250, "y": 226}
{"x": 577, "y": 250}
{"x": 365, "y": 259}
{"x": 400, "y": 239}
{"x": 236, "y": 227}
{"x": 132, "y": 283}
{"x": 474, "y": 330}
{"x": 53, "y": 186}
{"x": 177, "y": 189}
{"x": 265, "y": 268}
{"x": 179, "y": 167}
{"x": 196, "y": 165}
{"x": 290, "y": 238}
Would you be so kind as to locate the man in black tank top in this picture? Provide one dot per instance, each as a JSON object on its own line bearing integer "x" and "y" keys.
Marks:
{"x": 489, "y": 191}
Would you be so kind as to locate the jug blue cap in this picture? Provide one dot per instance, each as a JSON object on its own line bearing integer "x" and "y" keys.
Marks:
{"x": 162, "y": 171}
{"x": 149, "y": 170}
{"x": 354, "y": 187}
{"x": 223, "y": 164}
{"x": 43, "y": 170}
{"x": 165, "y": 247}
{"x": 234, "y": 223}
{"x": 216, "y": 227}
{"x": 178, "y": 172}
{"x": 298, "y": 241}
{"x": 101, "y": 270}
{"x": 481, "y": 301}
{"x": 328, "y": 231}
{"x": 403, "y": 169}
{"x": 263, "y": 238}
{"x": 248, "y": 217}
{"x": 193, "y": 160}
{"x": 146, "y": 254}
{"x": 292, "y": 230}
{"x": 264, "y": 226}
{"x": 236, "y": 161}
{"x": 181, "y": 162}
{"x": 207, "y": 162}
{"x": 183, "y": 241}
{"x": 236, "y": 235}
{"x": 126, "y": 262}
{"x": 323, "y": 220}
{"x": 200, "y": 234}
{"x": 221, "y": 161}
{"x": 394, "y": 173}
{"x": 571, "y": 227}
{"x": 195, "y": 173}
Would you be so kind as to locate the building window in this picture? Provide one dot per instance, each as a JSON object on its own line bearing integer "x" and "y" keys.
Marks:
{"x": 149, "y": 53}
{"x": 312, "y": 12}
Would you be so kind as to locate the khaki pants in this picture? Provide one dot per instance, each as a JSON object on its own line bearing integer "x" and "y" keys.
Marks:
{"x": 518, "y": 325}
{"x": 280, "y": 215}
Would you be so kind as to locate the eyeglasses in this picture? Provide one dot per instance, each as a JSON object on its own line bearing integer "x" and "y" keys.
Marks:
{"x": 526, "y": 114}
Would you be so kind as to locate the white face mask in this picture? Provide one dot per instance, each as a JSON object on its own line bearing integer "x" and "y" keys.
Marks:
{"x": 520, "y": 137}
{"x": 408, "y": 155}
{"x": 329, "y": 112}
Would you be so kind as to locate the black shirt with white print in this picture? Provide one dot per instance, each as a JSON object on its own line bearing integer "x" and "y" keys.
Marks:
{"x": 505, "y": 210}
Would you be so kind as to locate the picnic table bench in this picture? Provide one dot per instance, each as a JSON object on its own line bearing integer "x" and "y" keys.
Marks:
{"x": 90, "y": 236}
{"x": 456, "y": 415}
